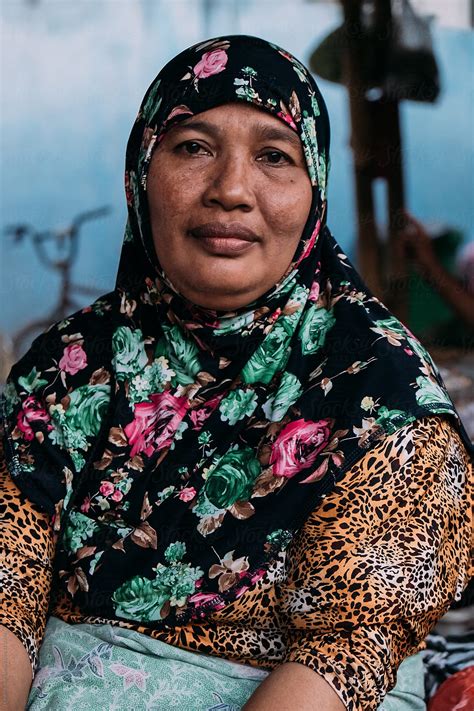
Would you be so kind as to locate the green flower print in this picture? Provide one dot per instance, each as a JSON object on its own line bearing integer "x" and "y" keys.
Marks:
{"x": 153, "y": 102}
{"x": 250, "y": 72}
{"x": 32, "y": 382}
{"x": 315, "y": 105}
{"x": 182, "y": 354}
{"x": 287, "y": 394}
{"x": 78, "y": 531}
{"x": 310, "y": 146}
{"x": 177, "y": 581}
{"x": 234, "y": 324}
{"x": 301, "y": 75}
{"x": 392, "y": 420}
{"x": 429, "y": 393}
{"x": 165, "y": 493}
{"x": 391, "y": 324}
{"x": 87, "y": 408}
{"x": 175, "y": 552}
{"x": 180, "y": 430}
{"x": 421, "y": 352}
{"x": 245, "y": 88}
{"x": 203, "y": 507}
{"x": 322, "y": 170}
{"x": 271, "y": 356}
{"x": 245, "y": 91}
{"x": 204, "y": 437}
{"x": 280, "y": 538}
{"x": 128, "y": 236}
{"x": 233, "y": 477}
{"x": 11, "y": 397}
{"x": 315, "y": 325}
{"x": 100, "y": 307}
{"x": 393, "y": 330}
{"x": 152, "y": 379}
{"x": 77, "y": 460}
{"x": 94, "y": 561}
{"x": 138, "y": 599}
{"x": 144, "y": 599}
{"x": 237, "y": 405}
{"x": 129, "y": 352}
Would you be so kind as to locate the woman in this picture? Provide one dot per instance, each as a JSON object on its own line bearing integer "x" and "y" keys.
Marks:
{"x": 238, "y": 455}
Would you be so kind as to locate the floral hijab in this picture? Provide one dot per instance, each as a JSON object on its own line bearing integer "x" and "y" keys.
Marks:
{"x": 180, "y": 449}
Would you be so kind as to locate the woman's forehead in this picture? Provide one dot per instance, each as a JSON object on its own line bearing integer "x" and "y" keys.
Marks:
{"x": 261, "y": 124}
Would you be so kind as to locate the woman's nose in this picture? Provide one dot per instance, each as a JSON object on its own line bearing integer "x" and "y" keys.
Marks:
{"x": 229, "y": 184}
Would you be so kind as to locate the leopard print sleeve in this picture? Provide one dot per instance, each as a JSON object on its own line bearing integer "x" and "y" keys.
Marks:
{"x": 26, "y": 554}
{"x": 380, "y": 562}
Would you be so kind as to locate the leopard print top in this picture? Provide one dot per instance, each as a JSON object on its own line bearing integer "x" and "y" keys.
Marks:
{"x": 359, "y": 588}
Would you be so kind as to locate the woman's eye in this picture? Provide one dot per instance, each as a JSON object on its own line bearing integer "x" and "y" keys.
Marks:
{"x": 191, "y": 147}
{"x": 275, "y": 158}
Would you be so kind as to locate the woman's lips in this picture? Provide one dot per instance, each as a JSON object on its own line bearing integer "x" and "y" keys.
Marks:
{"x": 225, "y": 245}
{"x": 225, "y": 239}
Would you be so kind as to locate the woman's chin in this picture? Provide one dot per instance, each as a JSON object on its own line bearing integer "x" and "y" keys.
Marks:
{"x": 220, "y": 297}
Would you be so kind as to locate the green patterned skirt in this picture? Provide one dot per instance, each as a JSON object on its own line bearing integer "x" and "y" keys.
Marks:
{"x": 103, "y": 667}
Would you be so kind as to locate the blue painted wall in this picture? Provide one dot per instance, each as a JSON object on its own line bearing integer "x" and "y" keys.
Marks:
{"x": 72, "y": 77}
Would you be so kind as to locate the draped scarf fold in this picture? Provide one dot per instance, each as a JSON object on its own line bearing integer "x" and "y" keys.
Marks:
{"x": 179, "y": 449}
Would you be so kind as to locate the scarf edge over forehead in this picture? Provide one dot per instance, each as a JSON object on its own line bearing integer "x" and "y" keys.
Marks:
{"x": 179, "y": 449}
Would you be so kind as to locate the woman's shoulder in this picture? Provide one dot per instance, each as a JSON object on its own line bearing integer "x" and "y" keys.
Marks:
{"x": 415, "y": 455}
{"x": 408, "y": 498}
{"x": 425, "y": 458}
{"x": 88, "y": 323}
{"x": 70, "y": 340}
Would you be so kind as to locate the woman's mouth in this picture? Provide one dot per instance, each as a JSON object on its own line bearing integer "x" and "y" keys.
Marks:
{"x": 225, "y": 245}
{"x": 224, "y": 239}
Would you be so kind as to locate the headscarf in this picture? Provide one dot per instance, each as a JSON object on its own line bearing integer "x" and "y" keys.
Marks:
{"x": 180, "y": 449}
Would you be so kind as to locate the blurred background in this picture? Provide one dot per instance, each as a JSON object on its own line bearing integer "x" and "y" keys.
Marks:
{"x": 397, "y": 77}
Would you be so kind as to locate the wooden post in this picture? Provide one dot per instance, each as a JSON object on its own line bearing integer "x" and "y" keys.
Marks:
{"x": 368, "y": 245}
{"x": 377, "y": 150}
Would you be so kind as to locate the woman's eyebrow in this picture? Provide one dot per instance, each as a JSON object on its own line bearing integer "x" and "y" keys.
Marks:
{"x": 274, "y": 133}
{"x": 262, "y": 131}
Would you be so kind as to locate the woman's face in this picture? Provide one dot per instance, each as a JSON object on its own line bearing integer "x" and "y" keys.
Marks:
{"x": 229, "y": 196}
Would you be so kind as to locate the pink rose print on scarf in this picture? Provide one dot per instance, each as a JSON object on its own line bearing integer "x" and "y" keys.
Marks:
{"x": 106, "y": 488}
{"x": 199, "y": 599}
{"x": 178, "y": 111}
{"x": 310, "y": 242}
{"x": 298, "y": 445}
{"x": 31, "y": 411}
{"x": 187, "y": 494}
{"x": 314, "y": 293}
{"x": 86, "y": 504}
{"x": 211, "y": 63}
{"x": 315, "y": 286}
{"x": 198, "y": 417}
{"x": 287, "y": 118}
{"x": 155, "y": 423}
{"x": 74, "y": 359}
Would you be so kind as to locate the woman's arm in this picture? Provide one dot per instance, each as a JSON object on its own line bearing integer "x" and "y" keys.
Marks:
{"x": 374, "y": 568}
{"x": 15, "y": 672}
{"x": 294, "y": 687}
{"x": 26, "y": 551}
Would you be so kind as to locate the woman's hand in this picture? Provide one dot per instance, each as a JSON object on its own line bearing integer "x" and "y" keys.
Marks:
{"x": 294, "y": 687}
{"x": 15, "y": 672}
